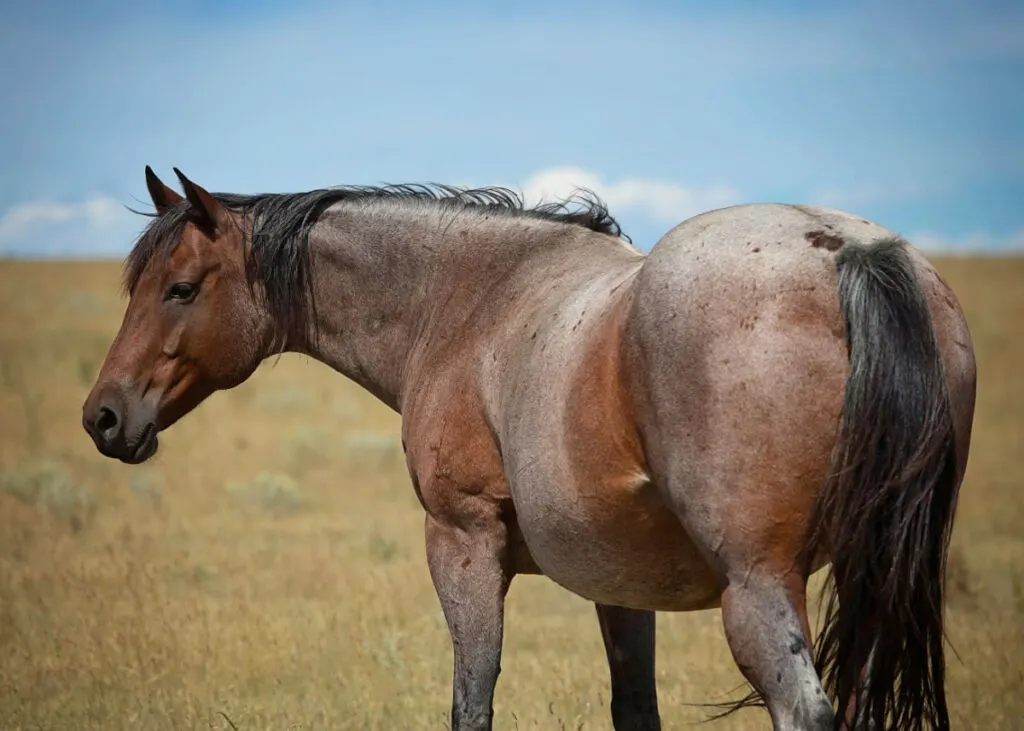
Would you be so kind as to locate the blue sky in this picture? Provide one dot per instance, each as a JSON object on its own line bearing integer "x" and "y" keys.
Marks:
{"x": 910, "y": 113}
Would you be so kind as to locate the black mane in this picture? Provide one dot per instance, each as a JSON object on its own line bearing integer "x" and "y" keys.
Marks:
{"x": 278, "y": 225}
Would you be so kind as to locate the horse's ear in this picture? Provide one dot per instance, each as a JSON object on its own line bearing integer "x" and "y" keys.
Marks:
{"x": 163, "y": 197}
{"x": 205, "y": 207}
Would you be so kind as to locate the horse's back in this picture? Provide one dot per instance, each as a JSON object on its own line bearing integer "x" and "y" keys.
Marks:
{"x": 775, "y": 229}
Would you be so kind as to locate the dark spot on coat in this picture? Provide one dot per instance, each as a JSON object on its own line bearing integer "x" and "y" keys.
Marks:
{"x": 756, "y": 249}
{"x": 778, "y": 677}
{"x": 822, "y": 240}
{"x": 797, "y": 644}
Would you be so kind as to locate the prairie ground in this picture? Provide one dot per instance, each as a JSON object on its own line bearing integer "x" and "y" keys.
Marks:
{"x": 266, "y": 570}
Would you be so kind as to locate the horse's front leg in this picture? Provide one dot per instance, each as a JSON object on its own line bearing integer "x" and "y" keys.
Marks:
{"x": 471, "y": 572}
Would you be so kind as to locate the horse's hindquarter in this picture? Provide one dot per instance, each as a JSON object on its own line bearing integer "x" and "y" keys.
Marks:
{"x": 587, "y": 510}
{"x": 738, "y": 343}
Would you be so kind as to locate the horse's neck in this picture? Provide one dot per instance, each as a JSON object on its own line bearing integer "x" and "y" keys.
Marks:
{"x": 385, "y": 279}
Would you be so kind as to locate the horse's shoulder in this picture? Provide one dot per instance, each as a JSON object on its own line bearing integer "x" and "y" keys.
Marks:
{"x": 450, "y": 448}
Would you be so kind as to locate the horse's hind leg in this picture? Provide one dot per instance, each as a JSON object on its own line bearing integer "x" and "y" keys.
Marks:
{"x": 766, "y": 625}
{"x": 629, "y": 642}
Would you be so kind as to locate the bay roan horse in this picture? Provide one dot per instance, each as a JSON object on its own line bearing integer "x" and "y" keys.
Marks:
{"x": 771, "y": 389}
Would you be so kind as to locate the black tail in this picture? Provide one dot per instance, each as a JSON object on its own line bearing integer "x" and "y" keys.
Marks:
{"x": 888, "y": 507}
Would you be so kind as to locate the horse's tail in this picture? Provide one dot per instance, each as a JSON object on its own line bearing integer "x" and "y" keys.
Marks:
{"x": 887, "y": 508}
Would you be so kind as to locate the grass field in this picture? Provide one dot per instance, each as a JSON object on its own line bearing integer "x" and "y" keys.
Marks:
{"x": 267, "y": 571}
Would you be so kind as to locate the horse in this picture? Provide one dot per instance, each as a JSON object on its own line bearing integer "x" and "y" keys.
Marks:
{"x": 770, "y": 390}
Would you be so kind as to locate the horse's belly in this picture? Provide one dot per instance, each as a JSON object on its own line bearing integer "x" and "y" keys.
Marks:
{"x": 616, "y": 546}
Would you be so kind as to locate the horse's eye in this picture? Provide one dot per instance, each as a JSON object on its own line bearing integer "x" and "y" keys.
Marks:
{"x": 182, "y": 291}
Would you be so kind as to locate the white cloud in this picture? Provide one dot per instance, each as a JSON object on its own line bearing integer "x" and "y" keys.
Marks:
{"x": 20, "y": 220}
{"x": 660, "y": 201}
{"x": 973, "y": 243}
{"x": 98, "y": 226}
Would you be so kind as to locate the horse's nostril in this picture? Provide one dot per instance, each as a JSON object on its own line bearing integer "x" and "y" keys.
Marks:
{"x": 106, "y": 422}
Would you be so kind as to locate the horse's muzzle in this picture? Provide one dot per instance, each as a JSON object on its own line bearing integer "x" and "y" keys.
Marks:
{"x": 106, "y": 418}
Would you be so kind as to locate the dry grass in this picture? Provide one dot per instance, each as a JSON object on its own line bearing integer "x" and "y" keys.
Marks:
{"x": 268, "y": 567}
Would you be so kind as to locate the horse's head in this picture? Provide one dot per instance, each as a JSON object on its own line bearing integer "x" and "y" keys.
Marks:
{"x": 192, "y": 325}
